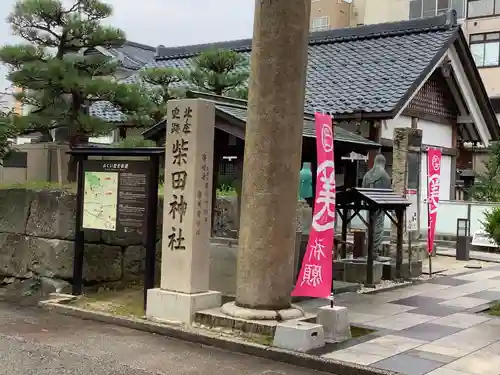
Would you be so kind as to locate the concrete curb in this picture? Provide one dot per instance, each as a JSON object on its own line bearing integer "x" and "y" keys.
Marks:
{"x": 207, "y": 339}
{"x": 478, "y": 257}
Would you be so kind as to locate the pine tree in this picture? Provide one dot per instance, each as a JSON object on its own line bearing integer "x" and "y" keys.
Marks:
{"x": 58, "y": 82}
{"x": 222, "y": 72}
{"x": 487, "y": 185}
{"x": 163, "y": 84}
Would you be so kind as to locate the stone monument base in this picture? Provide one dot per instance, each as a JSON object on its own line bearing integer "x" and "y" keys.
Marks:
{"x": 335, "y": 323}
{"x": 216, "y": 318}
{"x": 389, "y": 270}
{"x": 230, "y": 309}
{"x": 174, "y": 307}
{"x": 354, "y": 270}
{"x": 299, "y": 336}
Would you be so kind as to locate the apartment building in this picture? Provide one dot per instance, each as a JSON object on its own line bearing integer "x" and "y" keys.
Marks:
{"x": 482, "y": 26}
{"x": 331, "y": 14}
{"x": 480, "y": 20}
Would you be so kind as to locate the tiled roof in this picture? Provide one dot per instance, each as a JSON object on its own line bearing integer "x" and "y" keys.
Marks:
{"x": 369, "y": 70}
{"x": 341, "y": 135}
{"x": 132, "y": 55}
{"x": 108, "y": 112}
{"x": 239, "y": 112}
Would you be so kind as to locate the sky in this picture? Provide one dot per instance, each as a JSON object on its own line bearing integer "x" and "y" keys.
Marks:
{"x": 167, "y": 22}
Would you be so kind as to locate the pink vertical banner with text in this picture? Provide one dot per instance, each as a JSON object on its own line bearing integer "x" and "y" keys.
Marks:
{"x": 433, "y": 183}
{"x": 315, "y": 278}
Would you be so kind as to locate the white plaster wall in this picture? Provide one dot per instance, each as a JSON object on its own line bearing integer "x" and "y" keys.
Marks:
{"x": 433, "y": 133}
{"x": 388, "y": 126}
{"x": 440, "y": 135}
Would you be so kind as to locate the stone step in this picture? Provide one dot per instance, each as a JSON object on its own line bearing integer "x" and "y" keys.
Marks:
{"x": 215, "y": 318}
{"x": 445, "y": 243}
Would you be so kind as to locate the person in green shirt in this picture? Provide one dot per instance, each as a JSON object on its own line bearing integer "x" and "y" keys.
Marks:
{"x": 306, "y": 184}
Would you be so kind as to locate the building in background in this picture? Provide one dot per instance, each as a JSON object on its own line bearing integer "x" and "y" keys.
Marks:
{"x": 480, "y": 22}
{"x": 482, "y": 27}
{"x": 333, "y": 14}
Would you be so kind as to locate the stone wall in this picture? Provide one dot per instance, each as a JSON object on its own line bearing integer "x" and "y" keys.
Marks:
{"x": 37, "y": 231}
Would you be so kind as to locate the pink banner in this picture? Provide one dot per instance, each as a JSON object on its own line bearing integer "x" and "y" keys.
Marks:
{"x": 434, "y": 181}
{"x": 315, "y": 278}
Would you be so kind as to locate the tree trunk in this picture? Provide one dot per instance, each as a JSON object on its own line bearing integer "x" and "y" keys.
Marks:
{"x": 72, "y": 163}
{"x": 75, "y": 137}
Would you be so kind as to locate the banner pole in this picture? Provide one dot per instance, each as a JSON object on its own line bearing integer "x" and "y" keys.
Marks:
{"x": 334, "y": 248}
{"x": 429, "y": 253}
{"x": 317, "y": 263}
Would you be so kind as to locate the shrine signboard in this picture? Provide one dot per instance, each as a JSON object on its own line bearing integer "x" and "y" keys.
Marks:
{"x": 116, "y": 195}
{"x": 117, "y": 191}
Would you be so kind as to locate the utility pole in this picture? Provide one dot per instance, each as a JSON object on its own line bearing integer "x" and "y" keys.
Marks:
{"x": 273, "y": 146}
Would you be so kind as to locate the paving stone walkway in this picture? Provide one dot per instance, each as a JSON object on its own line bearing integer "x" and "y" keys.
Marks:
{"x": 434, "y": 328}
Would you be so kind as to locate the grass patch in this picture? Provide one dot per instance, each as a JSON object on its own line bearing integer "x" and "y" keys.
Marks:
{"x": 127, "y": 302}
{"x": 71, "y": 187}
{"x": 359, "y": 331}
{"x": 226, "y": 193}
{"x": 494, "y": 310}
{"x": 40, "y": 185}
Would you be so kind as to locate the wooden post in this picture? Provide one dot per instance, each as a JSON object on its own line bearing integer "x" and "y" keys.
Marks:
{"x": 343, "y": 254}
{"x": 399, "y": 242}
{"x": 369, "y": 260}
{"x": 314, "y": 171}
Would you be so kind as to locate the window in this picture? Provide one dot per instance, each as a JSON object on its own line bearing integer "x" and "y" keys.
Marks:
{"x": 320, "y": 23}
{"x": 483, "y": 8}
{"x": 485, "y": 49}
{"x": 430, "y": 8}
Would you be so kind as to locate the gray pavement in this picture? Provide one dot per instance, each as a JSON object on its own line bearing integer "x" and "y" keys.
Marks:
{"x": 474, "y": 255}
{"x": 33, "y": 341}
{"x": 434, "y": 328}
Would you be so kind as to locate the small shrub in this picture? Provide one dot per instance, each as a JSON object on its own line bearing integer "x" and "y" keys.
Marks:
{"x": 225, "y": 181}
{"x": 133, "y": 142}
{"x": 491, "y": 224}
{"x": 487, "y": 185}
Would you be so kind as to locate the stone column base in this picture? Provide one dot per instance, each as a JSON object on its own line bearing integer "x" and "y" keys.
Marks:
{"x": 174, "y": 307}
{"x": 230, "y": 309}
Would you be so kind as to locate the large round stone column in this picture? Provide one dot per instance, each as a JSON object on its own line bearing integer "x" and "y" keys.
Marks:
{"x": 273, "y": 144}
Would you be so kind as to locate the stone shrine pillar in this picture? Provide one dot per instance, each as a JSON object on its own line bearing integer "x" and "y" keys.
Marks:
{"x": 406, "y": 140}
{"x": 273, "y": 144}
{"x": 400, "y": 159}
{"x": 187, "y": 210}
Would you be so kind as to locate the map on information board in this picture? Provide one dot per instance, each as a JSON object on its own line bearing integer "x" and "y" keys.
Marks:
{"x": 100, "y": 200}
